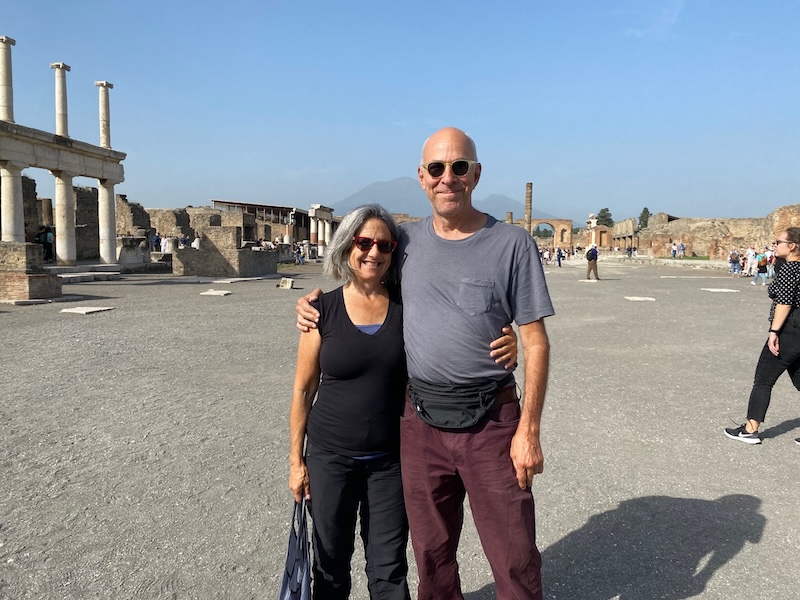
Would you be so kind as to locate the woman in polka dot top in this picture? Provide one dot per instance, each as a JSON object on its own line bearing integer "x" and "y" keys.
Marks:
{"x": 782, "y": 350}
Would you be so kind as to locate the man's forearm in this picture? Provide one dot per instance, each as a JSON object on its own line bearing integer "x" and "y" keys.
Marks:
{"x": 536, "y": 354}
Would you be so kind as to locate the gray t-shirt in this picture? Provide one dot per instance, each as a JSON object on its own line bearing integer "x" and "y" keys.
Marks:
{"x": 457, "y": 296}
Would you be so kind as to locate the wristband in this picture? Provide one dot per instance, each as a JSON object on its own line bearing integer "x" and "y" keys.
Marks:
{"x": 774, "y": 330}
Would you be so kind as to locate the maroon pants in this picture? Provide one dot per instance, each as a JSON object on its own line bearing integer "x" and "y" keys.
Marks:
{"x": 439, "y": 468}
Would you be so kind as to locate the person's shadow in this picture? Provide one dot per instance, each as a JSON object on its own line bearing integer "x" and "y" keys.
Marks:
{"x": 780, "y": 429}
{"x": 651, "y": 547}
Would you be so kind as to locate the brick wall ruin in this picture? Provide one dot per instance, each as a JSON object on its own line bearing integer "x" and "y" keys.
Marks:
{"x": 22, "y": 275}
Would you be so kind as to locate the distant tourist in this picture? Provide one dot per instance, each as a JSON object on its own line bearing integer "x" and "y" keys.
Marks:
{"x": 591, "y": 258}
{"x": 156, "y": 240}
{"x": 762, "y": 260}
{"x": 781, "y": 352}
{"x": 750, "y": 265}
{"x": 736, "y": 267}
{"x": 674, "y": 250}
{"x": 164, "y": 243}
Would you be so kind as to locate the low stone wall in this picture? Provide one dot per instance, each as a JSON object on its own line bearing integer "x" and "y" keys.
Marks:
{"x": 224, "y": 263}
{"x": 221, "y": 255}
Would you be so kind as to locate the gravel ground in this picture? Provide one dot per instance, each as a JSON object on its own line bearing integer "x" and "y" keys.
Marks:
{"x": 144, "y": 449}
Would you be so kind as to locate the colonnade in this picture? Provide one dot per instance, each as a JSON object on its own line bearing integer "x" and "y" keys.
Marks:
{"x": 320, "y": 226}
{"x": 23, "y": 147}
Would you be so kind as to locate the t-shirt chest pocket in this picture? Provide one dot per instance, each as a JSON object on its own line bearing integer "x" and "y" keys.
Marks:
{"x": 475, "y": 296}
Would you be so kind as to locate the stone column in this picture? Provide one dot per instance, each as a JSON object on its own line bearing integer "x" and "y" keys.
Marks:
{"x": 61, "y": 68}
{"x": 312, "y": 234}
{"x": 47, "y": 211}
{"x": 107, "y": 220}
{"x": 105, "y": 114}
{"x": 66, "y": 251}
{"x": 528, "y": 206}
{"x": 12, "y": 212}
{"x": 326, "y": 236}
{"x": 6, "y": 84}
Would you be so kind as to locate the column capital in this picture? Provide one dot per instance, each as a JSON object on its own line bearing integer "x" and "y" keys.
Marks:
{"x": 62, "y": 173}
{"x": 12, "y": 164}
{"x": 104, "y": 84}
{"x": 111, "y": 182}
{"x": 60, "y": 65}
{"x": 7, "y": 40}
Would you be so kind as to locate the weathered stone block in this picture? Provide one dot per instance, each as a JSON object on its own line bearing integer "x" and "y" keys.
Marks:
{"x": 21, "y": 258}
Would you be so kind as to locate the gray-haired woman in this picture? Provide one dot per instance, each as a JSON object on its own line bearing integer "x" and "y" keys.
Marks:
{"x": 354, "y": 361}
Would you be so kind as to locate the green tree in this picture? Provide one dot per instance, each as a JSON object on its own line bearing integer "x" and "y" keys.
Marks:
{"x": 644, "y": 218}
{"x": 604, "y": 218}
{"x": 542, "y": 232}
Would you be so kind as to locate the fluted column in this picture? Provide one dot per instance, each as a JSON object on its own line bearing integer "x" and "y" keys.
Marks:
{"x": 61, "y": 69}
{"x": 107, "y": 221}
{"x": 12, "y": 212}
{"x": 66, "y": 252}
{"x": 105, "y": 113}
{"x": 6, "y": 83}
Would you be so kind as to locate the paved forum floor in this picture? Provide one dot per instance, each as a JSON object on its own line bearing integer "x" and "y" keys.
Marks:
{"x": 144, "y": 449}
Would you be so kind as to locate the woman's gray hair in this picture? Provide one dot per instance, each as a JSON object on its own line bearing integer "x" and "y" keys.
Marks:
{"x": 336, "y": 264}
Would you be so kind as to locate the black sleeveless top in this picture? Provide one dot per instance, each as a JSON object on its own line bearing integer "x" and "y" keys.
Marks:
{"x": 360, "y": 398}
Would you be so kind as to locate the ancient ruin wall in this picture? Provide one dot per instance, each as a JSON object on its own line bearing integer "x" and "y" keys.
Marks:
{"x": 171, "y": 222}
{"x": 130, "y": 216}
{"x": 220, "y": 256}
{"x": 87, "y": 228}
{"x": 785, "y": 217}
{"x": 707, "y": 237}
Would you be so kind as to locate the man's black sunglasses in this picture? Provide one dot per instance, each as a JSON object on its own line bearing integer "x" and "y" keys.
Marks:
{"x": 460, "y": 167}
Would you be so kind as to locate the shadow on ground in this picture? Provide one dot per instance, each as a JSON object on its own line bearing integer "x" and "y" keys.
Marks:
{"x": 780, "y": 429}
{"x": 651, "y": 547}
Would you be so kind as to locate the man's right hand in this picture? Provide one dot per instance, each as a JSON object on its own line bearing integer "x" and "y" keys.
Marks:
{"x": 307, "y": 315}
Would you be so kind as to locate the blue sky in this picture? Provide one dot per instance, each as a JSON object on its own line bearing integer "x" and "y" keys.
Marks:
{"x": 685, "y": 106}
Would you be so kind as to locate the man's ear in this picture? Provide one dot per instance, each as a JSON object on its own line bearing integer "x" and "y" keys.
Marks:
{"x": 421, "y": 176}
{"x": 477, "y": 174}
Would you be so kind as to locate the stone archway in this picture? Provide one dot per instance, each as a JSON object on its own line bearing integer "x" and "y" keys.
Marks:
{"x": 562, "y": 231}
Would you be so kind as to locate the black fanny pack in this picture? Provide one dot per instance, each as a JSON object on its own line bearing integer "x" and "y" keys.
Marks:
{"x": 454, "y": 406}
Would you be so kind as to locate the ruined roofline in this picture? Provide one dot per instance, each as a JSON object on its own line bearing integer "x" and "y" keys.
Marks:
{"x": 253, "y": 204}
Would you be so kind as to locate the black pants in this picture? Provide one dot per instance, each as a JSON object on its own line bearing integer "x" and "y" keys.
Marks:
{"x": 339, "y": 486}
{"x": 770, "y": 367}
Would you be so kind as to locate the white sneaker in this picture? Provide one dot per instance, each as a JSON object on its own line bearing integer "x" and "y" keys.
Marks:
{"x": 752, "y": 283}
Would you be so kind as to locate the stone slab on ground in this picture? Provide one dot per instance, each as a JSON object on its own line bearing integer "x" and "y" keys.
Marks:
{"x": 86, "y": 310}
{"x": 145, "y": 455}
{"x": 216, "y": 293}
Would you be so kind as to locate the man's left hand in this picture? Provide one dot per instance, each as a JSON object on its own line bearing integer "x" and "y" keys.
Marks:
{"x": 526, "y": 455}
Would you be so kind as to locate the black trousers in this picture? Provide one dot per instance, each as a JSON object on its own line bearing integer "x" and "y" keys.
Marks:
{"x": 770, "y": 367}
{"x": 341, "y": 487}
